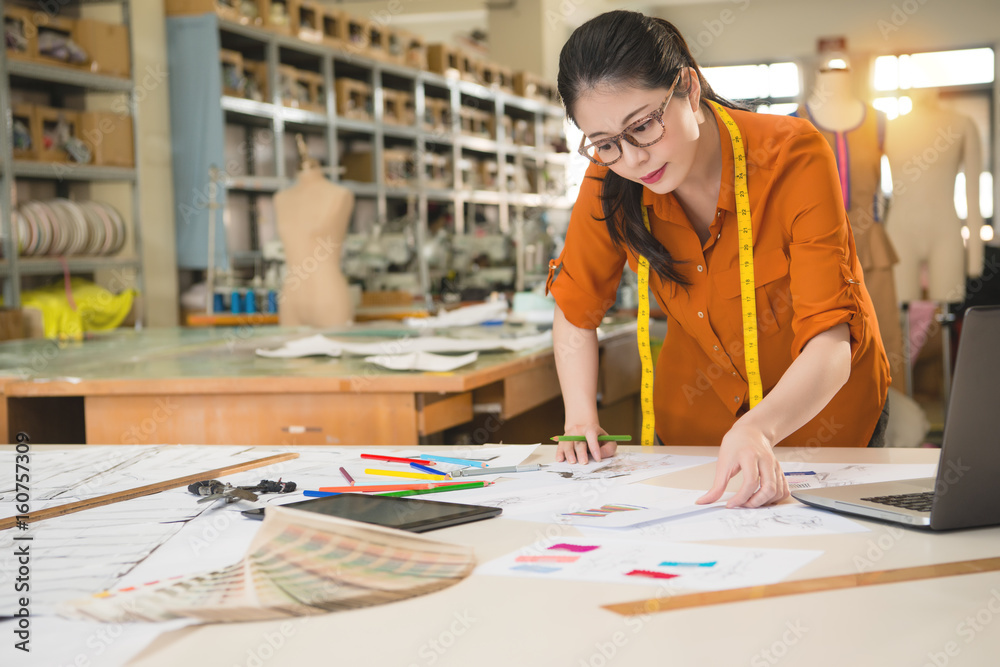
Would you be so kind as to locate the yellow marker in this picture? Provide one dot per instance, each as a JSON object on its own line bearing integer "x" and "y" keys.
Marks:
{"x": 399, "y": 473}
{"x": 747, "y": 286}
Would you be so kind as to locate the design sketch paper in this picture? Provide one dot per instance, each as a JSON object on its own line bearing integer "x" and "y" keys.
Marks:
{"x": 422, "y": 361}
{"x": 785, "y": 520}
{"x": 843, "y": 474}
{"x": 626, "y": 467}
{"x": 651, "y": 503}
{"x": 300, "y": 563}
{"x": 321, "y": 345}
{"x": 693, "y": 566}
{"x": 490, "y": 311}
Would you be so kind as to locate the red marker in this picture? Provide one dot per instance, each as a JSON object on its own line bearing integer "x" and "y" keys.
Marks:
{"x": 396, "y": 459}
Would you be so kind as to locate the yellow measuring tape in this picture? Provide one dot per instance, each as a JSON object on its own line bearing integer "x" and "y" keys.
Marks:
{"x": 748, "y": 303}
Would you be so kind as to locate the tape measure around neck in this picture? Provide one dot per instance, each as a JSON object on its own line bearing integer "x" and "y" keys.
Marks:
{"x": 748, "y": 302}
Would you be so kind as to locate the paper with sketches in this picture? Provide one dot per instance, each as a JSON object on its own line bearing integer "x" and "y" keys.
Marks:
{"x": 674, "y": 565}
{"x": 321, "y": 345}
{"x": 622, "y": 506}
{"x": 843, "y": 474}
{"x": 491, "y": 311}
{"x": 299, "y": 564}
{"x": 422, "y": 361}
{"x": 626, "y": 467}
{"x": 719, "y": 523}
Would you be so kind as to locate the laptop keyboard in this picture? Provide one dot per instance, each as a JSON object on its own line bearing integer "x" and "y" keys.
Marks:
{"x": 918, "y": 502}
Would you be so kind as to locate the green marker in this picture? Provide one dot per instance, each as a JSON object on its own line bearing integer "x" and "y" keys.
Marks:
{"x": 437, "y": 489}
{"x": 583, "y": 438}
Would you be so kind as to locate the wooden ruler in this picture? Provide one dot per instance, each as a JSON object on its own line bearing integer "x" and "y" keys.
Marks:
{"x": 838, "y": 582}
{"x": 147, "y": 490}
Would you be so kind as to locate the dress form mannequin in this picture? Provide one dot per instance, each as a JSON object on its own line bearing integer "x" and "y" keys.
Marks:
{"x": 927, "y": 148}
{"x": 855, "y": 133}
{"x": 312, "y": 219}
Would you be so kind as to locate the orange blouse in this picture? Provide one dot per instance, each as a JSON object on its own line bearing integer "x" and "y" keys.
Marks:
{"x": 807, "y": 274}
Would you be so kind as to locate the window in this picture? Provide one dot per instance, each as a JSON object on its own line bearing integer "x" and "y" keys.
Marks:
{"x": 773, "y": 86}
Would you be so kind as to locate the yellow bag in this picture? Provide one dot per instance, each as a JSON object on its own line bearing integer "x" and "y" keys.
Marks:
{"x": 97, "y": 309}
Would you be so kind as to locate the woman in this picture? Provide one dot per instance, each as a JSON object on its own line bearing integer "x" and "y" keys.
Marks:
{"x": 655, "y": 132}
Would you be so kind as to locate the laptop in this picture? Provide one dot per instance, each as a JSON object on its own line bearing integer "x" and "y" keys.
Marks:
{"x": 966, "y": 491}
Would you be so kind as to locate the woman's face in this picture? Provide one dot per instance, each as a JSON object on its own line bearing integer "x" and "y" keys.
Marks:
{"x": 604, "y": 111}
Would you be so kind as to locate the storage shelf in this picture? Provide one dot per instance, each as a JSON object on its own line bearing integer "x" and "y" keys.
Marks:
{"x": 256, "y": 183}
{"x": 44, "y": 266}
{"x": 350, "y": 124}
{"x": 67, "y": 76}
{"x": 304, "y": 116}
{"x": 245, "y": 107}
{"x": 70, "y": 171}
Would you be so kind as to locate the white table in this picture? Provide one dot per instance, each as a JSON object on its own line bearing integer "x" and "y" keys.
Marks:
{"x": 505, "y": 621}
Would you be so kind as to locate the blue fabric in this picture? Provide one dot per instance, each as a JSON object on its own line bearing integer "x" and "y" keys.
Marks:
{"x": 196, "y": 126}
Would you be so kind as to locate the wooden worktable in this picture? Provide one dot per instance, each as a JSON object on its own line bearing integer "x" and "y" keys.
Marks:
{"x": 207, "y": 386}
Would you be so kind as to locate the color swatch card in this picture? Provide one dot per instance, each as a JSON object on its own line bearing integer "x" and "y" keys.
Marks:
{"x": 622, "y": 506}
{"x": 677, "y": 565}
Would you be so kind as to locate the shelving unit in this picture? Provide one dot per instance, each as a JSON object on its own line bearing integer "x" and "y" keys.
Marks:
{"x": 258, "y": 155}
{"x": 81, "y": 88}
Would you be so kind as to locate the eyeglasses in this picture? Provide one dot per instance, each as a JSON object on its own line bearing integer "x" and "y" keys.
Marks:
{"x": 643, "y": 132}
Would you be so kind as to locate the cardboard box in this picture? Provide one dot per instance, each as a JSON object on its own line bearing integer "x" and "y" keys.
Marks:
{"x": 106, "y": 45}
{"x": 24, "y": 21}
{"x": 437, "y": 114}
{"x": 257, "y": 86}
{"x": 414, "y": 49}
{"x": 531, "y": 85}
{"x": 443, "y": 59}
{"x": 358, "y": 167}
{"x": 109, "y": 137}
{"x": 277, "y": 15}
{"x": 398, "y": 107}
{"x": 307, "y": 21}
{"x": 477, "y": 123}
{"x": 354, "y": 99}
{"x": 45, "y": 119}
{"x": 334, "y": 27}
{"x": 399, "y": 167}
{"x": 246, "y": 12}
{"x": 58, "y": 24}
{"x": 25, "y": 114}
{"x": 233, "y": 77}
{"x": 302, "y": 89}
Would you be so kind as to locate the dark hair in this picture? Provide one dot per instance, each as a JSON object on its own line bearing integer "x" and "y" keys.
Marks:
{"x": 623, "y": 48}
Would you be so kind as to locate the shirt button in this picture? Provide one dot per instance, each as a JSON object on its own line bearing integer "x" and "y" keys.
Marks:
{"x": 736, "y": 399}
{"x": 719, "y": 236}
{"x": 701, "y": 268}
{"x": 734, "y": 373}
{"x": 701, "y": 314}
{"x": 715, "y": 347}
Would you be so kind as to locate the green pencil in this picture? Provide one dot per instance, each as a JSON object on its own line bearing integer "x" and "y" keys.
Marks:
{"x": 437, "y": 489}
{"x": 582, "y": 438}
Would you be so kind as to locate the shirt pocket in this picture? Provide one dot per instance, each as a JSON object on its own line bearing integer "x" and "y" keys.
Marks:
{"x": 770, "y": 266}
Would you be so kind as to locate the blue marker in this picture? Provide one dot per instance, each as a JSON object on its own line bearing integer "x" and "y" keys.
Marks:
{"x": 671, "y": 563}
{"x": 428, "y": 470}
{"x": 449, "y": 459}
{"x": 804, "y": 472}
{"x": 318, "y": 494}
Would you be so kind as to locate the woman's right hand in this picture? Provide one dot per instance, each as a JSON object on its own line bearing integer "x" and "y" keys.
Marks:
{"x": 576, "y": 451}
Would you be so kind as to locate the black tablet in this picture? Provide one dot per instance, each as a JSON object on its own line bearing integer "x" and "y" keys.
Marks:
{"x": 412, "y": 514}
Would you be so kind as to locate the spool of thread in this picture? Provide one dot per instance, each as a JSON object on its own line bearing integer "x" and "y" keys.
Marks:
{"x": 235, "y": 302}
{"x": 218, "y": 302}
{"x": 272, "y": 301}
{"x": 250, "y": 302}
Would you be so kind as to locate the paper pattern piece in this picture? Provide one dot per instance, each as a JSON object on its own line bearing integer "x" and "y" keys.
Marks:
{"x": 422, "y": 361}
{"x": 300, "y": 563}
{"x": 319, "y": 345}
{"x": 658, "y": 563}
{"x": 626, "y": 467}
{"x": 490, "y": 311}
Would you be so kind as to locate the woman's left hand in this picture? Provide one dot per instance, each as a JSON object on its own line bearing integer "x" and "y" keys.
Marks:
{"x": 746, "y": 449}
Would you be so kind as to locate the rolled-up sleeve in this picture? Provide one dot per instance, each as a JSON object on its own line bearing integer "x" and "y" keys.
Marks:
{"x": 584, "y": 280}
{"x": 826, "y": 278}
